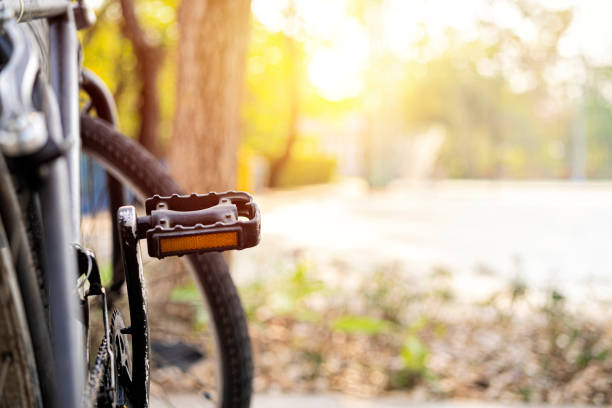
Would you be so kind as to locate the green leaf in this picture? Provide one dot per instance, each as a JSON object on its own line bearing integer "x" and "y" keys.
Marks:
{"x": 106, "y": 274}
{"x": 414, "y": 354}
{"x": 361, "y": 325}
{"x": 187, "y": 293}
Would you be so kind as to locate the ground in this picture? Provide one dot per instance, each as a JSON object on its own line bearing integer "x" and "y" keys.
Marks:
{"x": 334, "y": 401}
{"x": 477, "y": 290}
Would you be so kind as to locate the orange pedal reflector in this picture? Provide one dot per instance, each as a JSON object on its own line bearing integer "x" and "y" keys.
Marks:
{"x": 198, "y": 242}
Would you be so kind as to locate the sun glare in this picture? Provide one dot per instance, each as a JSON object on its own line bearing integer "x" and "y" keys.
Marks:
{"x": 335, "y": 77}
{"x": 338, "y": 71}
{"x": 338, "y": 44}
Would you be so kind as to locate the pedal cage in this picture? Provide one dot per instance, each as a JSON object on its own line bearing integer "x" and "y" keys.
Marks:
{"x": 196, "y": 223}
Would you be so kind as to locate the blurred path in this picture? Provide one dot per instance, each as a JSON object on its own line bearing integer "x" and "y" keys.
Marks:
{"x": 332, "y": 401}
{"x": 547, "y": 233}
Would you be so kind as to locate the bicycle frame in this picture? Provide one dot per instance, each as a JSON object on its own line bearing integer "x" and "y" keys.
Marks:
{"x": 49, "y": 156}
{"x": 60, "y": 193}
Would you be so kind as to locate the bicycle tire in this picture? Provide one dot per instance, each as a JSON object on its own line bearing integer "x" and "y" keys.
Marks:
{"x": 24, "y": 333}
{"x": 20, "y": 388}
{"x": 126, "y": 160}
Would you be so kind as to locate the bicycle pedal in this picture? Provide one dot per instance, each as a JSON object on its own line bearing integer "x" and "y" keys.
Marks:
{"x": 184, "y": 224}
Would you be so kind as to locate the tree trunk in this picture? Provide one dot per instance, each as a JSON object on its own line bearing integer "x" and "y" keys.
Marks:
{"x": 278, "y": 164}
{"x": 149, "y": 59}
{"x": 212, "y": 51}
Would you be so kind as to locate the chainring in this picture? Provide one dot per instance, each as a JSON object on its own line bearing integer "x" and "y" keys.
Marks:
{"x": 121, "y": 377}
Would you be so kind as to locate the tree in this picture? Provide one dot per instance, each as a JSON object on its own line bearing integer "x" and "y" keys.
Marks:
{"x": 279, "y": 163}
{"x": 128, "y": 48}
{"x": 149, "y": 59}
{"x": 212, "y": 50}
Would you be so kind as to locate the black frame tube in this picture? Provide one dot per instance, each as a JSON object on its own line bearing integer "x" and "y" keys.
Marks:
{"x": 103, "y": 102}
{"x": 101, "y": 97}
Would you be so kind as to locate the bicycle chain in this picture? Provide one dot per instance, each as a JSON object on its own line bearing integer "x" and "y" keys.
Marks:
{"x": 96, "y": 374}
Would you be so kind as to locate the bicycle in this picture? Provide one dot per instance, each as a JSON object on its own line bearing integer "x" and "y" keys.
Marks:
{"x": 48, "y": 278}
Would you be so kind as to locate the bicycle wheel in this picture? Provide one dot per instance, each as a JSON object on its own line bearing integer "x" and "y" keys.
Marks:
{"x": 143, "y": 175}
{"x": 18, "y": 378}
{"x": 24, "y": 335}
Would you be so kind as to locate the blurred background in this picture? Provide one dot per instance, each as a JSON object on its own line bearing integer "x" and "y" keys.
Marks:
{"x": 433, "y": 176}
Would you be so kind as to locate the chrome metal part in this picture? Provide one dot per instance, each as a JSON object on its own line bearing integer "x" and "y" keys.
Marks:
{"x": 23, "y": 129}
{"x": 27, "y": 10}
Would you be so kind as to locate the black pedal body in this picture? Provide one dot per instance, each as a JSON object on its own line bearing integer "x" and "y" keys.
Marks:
{"x": 184, "y": 224}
